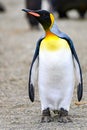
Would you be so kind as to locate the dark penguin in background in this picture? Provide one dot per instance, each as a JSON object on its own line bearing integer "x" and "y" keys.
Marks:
{"x": 2, "y": 8}
{"x": 57, "y": 63}
{"x": 34, "y": 5}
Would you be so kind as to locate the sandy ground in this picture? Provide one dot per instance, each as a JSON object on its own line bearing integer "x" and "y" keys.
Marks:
{"x": 17, "y": 43}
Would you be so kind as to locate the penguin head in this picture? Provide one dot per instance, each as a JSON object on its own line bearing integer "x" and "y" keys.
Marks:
{"x": 45, "y": 18}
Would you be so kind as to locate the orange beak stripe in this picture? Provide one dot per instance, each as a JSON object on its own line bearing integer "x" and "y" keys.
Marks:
{"x": 34, "y": 14}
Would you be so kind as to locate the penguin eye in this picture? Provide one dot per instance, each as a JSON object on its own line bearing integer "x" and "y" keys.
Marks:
{"x": 44, "y": 14}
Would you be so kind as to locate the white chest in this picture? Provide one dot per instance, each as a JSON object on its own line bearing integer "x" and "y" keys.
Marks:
{"x": 55, "y": 74}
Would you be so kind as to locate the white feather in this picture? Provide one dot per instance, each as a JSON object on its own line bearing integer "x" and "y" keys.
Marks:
{"x": 34, "y": 73}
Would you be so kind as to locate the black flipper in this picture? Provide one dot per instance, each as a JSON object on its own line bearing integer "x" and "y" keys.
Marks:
{"x": 30, "y": 84}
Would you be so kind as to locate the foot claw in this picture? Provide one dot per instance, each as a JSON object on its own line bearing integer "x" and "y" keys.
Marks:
{"x": 64, "y": 119}
{"x": 46, "y": 119}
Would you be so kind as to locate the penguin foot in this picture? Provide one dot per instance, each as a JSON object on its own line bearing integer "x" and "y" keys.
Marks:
{"x": 46, "y": 116}
{"x": 63, "y": 116}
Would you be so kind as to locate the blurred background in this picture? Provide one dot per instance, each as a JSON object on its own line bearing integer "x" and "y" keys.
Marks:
{"x": 18, "y": 36}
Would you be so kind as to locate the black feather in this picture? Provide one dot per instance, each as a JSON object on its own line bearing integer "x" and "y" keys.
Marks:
{"x": 31, "y": 92}
{"x": 30, "y": 85}
{"x": 79, "y": 91}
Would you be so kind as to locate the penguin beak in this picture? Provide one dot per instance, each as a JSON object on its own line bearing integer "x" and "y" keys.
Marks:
{"x": 31, "y": 12}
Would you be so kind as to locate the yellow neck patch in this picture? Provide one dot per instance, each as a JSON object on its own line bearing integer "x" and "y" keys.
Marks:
{"x": 53, "y": 43}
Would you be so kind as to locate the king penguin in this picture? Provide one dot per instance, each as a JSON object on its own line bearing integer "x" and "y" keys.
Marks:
{"x": 58, "y": 67}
